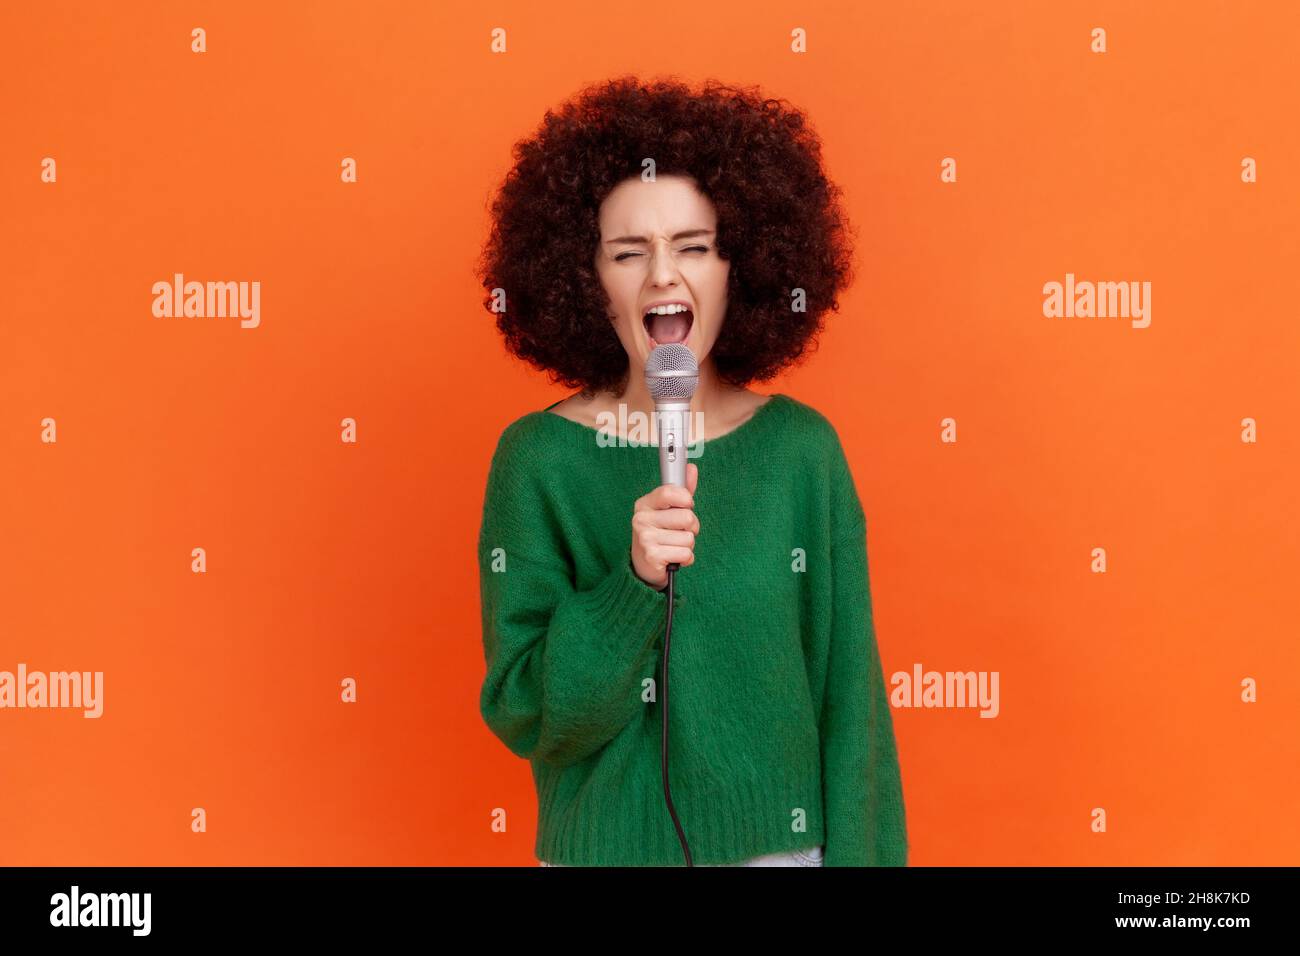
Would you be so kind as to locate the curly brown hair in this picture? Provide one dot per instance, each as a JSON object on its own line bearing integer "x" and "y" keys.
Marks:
{"x": 756, "y": 158}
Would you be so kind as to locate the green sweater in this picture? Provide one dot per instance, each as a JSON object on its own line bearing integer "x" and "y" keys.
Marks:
{"x": 780, "y": 731}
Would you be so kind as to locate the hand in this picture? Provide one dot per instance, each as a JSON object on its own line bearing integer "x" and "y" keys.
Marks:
{"x": 664, "y": 527}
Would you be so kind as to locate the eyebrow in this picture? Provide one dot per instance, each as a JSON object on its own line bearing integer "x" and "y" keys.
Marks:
{"x": 681, "y": 235}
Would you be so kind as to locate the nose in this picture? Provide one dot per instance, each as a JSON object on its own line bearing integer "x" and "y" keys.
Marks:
{"x": 663, "y": 267}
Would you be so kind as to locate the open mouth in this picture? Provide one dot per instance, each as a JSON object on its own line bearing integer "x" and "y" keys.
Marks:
{"x": 667, "y": 328}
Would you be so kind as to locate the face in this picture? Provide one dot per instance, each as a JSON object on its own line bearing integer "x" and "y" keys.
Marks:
{"x": 658, "y": 244}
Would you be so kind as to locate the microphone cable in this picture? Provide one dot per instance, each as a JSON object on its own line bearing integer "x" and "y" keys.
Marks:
{"x": 668, "y": 796}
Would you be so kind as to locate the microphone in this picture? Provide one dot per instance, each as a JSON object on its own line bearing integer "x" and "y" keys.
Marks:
{"x": 671, "y": 375}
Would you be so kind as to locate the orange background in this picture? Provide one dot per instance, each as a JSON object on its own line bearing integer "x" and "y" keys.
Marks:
{"x": 325, "y": 560}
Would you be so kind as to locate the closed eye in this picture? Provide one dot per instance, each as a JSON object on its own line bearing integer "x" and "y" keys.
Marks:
{"x": 621, "y": 256}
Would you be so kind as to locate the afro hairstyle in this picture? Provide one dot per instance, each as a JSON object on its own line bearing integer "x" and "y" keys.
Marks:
{"x": 757, "y": 159}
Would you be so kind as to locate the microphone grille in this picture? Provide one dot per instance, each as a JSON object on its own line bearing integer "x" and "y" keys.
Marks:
{"x": 671, "y": 371}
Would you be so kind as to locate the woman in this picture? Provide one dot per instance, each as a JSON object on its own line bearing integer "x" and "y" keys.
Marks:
{"x": 640, "y": 215}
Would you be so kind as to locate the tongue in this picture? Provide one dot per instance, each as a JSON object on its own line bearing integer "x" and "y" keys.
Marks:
{"x": 665, "y": 329}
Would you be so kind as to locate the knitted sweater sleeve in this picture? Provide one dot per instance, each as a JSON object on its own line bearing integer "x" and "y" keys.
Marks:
{"x": 861, "y": 780}
{"x": 563, "y": 663}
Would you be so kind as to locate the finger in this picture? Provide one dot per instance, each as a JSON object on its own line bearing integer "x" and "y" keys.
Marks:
{"x": 692, "y": 477}
{"x": 670, "y": 555}
{"x": 674, "y": 539}
{"x": 672, "y": 496}
{"x": 679, "y": 519}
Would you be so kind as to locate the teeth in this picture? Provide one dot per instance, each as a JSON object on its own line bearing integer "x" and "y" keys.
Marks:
{"x": 667, "y": 309}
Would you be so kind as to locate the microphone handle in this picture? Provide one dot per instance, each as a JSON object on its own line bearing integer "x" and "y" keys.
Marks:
{"x": 672, "y": 421}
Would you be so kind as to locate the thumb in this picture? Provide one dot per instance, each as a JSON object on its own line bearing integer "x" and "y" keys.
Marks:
{"x": 692, "y": 477}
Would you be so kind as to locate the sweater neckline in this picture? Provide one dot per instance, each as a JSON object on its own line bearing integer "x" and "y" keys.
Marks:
{"x": 739, "y": 430}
